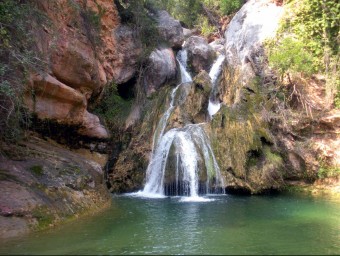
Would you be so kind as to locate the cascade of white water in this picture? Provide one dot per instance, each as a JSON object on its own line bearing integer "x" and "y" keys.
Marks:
{"x": 185, "y": 78}
{"x": 189, "y": 145}
{"x": 214, "y": 105}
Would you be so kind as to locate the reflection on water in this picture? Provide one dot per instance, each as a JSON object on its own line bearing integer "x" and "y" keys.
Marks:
{"x": 225, "y": 225}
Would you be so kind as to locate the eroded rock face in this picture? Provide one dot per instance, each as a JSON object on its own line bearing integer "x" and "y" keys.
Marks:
{"x": 170, "y": 29}
{"x": 161, "y": 69}
{"x": 63, "y": 104}
{"x": 200, "y": 54}
{"x": 42, "y": 184}
{"x": 81, "y": 59}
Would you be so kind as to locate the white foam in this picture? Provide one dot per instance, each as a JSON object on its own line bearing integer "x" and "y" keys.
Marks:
{"x": 195, "y": 199}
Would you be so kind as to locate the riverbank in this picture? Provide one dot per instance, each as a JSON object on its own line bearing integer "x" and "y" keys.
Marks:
{"x": 43, "y": 184}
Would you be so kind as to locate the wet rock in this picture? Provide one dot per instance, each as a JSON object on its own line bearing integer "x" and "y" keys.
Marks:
{"x": 200, "y": 54}
{"x": 218, "y": 45}
{"x": 161, "y": 69}
{"x": 170, "y": 29}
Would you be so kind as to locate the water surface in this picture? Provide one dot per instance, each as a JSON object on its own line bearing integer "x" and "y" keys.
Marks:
{"x": 227, "y": 224}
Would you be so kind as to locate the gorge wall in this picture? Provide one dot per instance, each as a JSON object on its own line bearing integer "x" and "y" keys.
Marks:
{"x": 70, "y": 156}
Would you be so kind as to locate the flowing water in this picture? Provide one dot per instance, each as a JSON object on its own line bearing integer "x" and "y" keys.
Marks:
{"x": 226, "y": 224}
{"x": 214, "y": 104}
{"x": 182, "y": 161}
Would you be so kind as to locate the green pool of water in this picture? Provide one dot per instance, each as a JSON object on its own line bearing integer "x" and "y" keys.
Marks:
{"x": 282, "y": 224}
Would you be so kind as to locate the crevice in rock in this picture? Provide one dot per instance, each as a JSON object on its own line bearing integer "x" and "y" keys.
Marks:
{"x": 127, "y": 90}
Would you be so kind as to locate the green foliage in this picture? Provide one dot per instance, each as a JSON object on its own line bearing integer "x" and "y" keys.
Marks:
{"x": 316, "y": 23}
{"x": 308, "y": 42}
{"x": 204, "y": 26}
{"x": 136, "y": 14}
{"x": 190, "y": 12}
{"x": 327, "y": 172}
{"x": 43, "y": 216}
{"x": 113, "y": 108}
{"x": 37, "y": 170}
{"x": 18, "y": 55}
{"x": 230, "y": 6}
{"x": 290, "y": 56}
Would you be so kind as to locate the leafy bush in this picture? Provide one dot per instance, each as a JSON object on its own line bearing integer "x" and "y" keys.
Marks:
{"x": 230, "y": 6}
{"x": 328, "y": 172}
{"x": 204, "y": 26}
{"x": 112, "y": 107}
{"x": 290, "y": 56}
{"x": 314, "y": 25}
{"x": 18, "y": 55}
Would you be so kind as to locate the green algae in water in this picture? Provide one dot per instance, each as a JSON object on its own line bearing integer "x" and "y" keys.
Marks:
{"x": 283, "y": 224}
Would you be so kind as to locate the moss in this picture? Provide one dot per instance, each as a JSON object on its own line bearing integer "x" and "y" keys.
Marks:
{"x": 273, "y": 158}
{"x": 328, "y": 171}
{"x": 43, "y": 216}
{"x": 37, "y": 170}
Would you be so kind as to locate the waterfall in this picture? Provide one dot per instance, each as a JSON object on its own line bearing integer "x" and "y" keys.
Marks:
{"x": 214, "y": 105}
{"x": 182, "y": 161}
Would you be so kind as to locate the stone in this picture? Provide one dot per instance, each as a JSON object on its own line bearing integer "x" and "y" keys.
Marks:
{"x": 170, "y": 29}
{"x": 75, "y": 65}
{"x": 67, "y": 185}
{"x": 161, "y": 69}
{"x": 56, "y": 101}
{"x": 127, "y": 52}
{"x": 218, "y": 46}
{"x": 255, "y": 22}
{"x": 200, "y": 54}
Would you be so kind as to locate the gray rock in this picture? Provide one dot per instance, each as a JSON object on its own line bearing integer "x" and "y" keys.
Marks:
{"x": 200, "y": 54}
{"x": 170, "y": 29}
{"x": 128, "y": 50}
{"x": 218, "y": 45}
{"x": 161, "y": 69}
{"x": 250, "y": 27}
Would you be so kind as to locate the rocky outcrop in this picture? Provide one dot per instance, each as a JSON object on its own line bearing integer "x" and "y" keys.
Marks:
{"x": 82, "y": 57}
{"x": 170, "y": 29}
{"x": 65, "y": 105}
{"x": 42, "y": 184}
{"x": 263, "y": 138}
{"x": 161, "y": 69}
{"x": 200, "y": 54}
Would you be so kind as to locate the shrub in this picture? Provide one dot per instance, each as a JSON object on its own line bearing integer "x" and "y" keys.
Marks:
{"x": 230, "y": 6}
{"x": 112, "y": 107}
{"x": 290, "y": 56}
{"x": 18, "y": 55}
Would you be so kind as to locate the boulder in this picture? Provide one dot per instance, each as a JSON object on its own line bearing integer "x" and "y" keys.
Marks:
{"x": 200, "y": 54}
{"x": 161, "y": 69}
{"x": 74, "y": 64}
{"x": 218, "y": 45}
{"x": 255, "y": 22}
{"x": 56, "y": 101}
{"x": 125, "y": 56}
{"x": 170, "y": 29}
